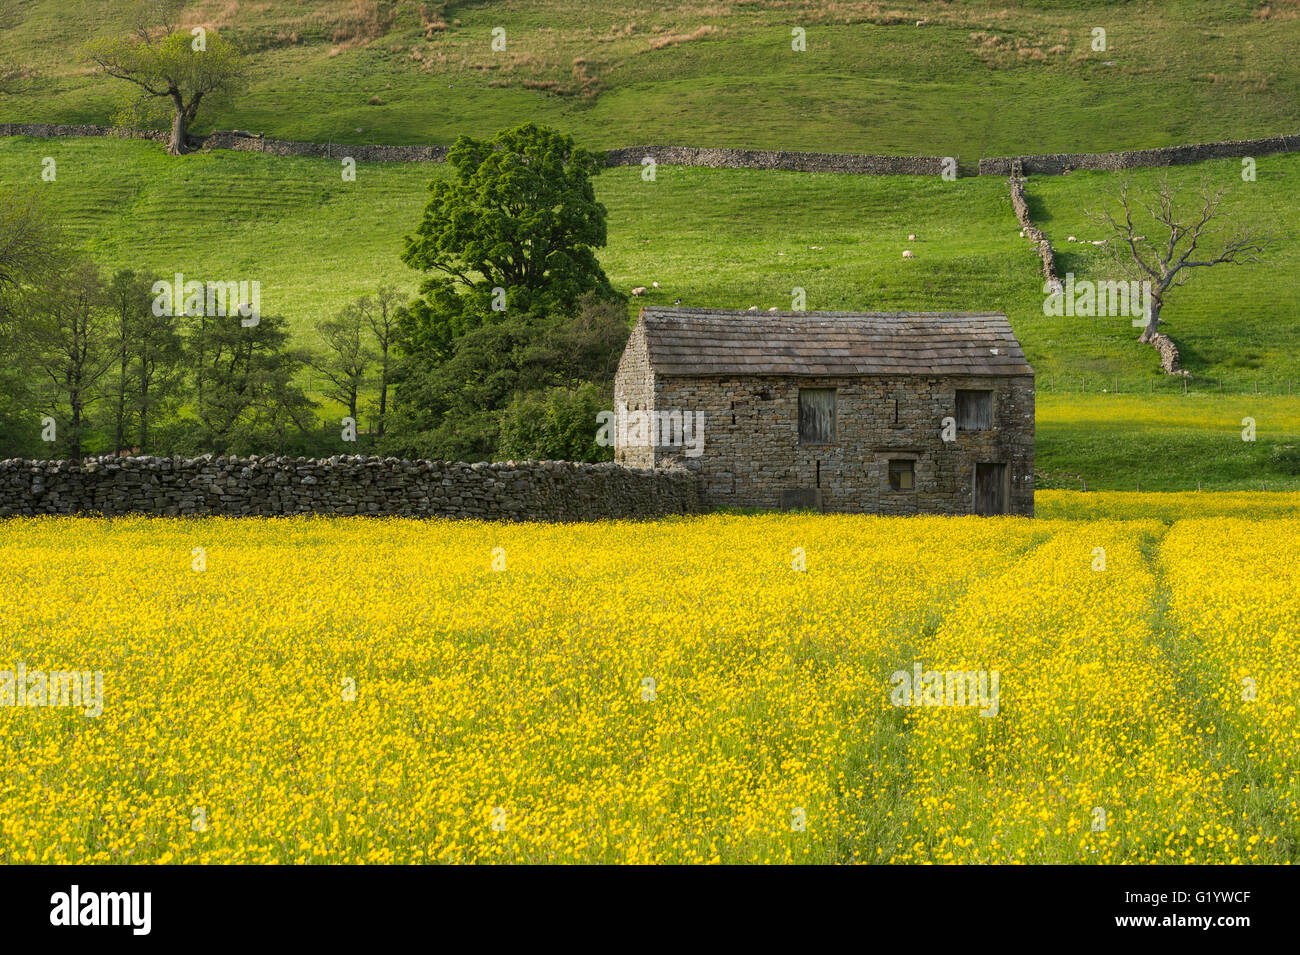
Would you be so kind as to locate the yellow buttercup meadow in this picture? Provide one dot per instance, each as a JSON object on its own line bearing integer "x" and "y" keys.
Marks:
{"x": 723, "y": 688}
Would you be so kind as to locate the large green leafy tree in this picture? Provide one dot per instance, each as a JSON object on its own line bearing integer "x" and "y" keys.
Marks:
{"x": 179, "y": 71}
{"x": 509, "y": 245}
{"x": 520, "y": 215}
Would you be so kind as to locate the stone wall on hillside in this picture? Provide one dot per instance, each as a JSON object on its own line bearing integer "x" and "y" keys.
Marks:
{"x": 1034, "y": 234}
{"x": 777, "y": 159}
{"x": 1054, "y": 164}
{"x": 51, "y": 130}
{"x": 715, "y": 158}
{"x": 361, "y": 153}
{"x": 513, "y": 491}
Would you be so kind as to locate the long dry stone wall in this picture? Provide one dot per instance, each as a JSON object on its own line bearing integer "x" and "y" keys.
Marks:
{"x": 721, "y": 158}
{"x": 51, "y": 130}
{"x": 777, "y": 159}
{"x": 1032, "y": 232}
{"x": 1054, "y": 164}
{"x": 284, "y": 147}
{"x": 513, "y": 491}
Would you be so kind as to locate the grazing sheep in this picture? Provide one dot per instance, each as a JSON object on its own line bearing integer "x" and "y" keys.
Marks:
{"x": 1022, "y": 233}
{"x": 677, "y": 301}
{"x": 1098, "y": 241}
{"x": 773, "y": 309}
{"x": 639, "y": 290}
{"x": 654, "y": 284}
{"x": 752, "y": 308}
{"x": 1071, "y": 239}
{"x": 911, "y": 238}
{"x": 907, "y": 254}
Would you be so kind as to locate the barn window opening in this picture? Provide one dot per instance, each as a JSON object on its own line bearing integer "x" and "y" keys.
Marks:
{"x": 895, "y": 411}
{"x": 816, "y": 415}
{"x": 902, "y": 475}
{"x": 974, "y": 410}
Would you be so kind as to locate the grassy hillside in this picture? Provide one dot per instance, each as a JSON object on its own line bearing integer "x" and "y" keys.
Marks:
{"x": 722, "y": 238}
{"x": 979, "y": 78}
{"x": 735, "y": 238}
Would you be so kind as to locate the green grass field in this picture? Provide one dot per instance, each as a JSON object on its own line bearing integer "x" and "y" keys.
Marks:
{"x": 719, "y": 238}
{"x": 1166, "y": 442}
{"x": 979, "y": 79}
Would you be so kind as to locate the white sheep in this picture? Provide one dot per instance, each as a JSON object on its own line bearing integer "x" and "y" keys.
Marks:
{"x": 654, "y": 284}
{"x": 752, "y": 308}
{"x": 907, "y": 254}
{"x": 639, "y": 290}
{"x": 911, "y": 238}
{"x": 1071, "y": 239}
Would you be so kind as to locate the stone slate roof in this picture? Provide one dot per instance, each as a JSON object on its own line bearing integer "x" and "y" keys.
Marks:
{"x": 694, "y": 342}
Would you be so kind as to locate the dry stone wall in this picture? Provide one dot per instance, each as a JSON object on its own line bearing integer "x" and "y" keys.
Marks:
{"x": 1054, "y": 164}
{"x": 717, "y": 158}
{"x": 1032, "y": 232}
{"x": 512, "y": 491}
{"x": 777, "y": 159}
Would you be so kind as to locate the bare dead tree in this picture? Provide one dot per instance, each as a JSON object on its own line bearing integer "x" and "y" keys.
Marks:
{"x": 1181, "y": 240}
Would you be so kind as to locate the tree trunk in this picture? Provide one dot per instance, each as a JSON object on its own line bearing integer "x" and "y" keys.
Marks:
{"x": 1152, "y": 328}
{"x": 144, "y": 413}
{"x": 119, "y": 431}
{"x": 178, "y": 145}
{"x": 383, "y": 392}
{"x": 74, "y": 445}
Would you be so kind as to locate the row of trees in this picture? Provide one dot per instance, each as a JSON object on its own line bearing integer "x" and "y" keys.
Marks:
{"x": 509, "y": 351}
{"x": 92, "y": 368}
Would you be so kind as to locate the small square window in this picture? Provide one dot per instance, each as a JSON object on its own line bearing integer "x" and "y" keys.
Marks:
{"x": 974, "y": 410}
{"x": 902, "y": 475}
{"x": 816, "y": 415}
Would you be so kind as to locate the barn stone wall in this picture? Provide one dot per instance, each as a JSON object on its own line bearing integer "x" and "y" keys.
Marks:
{"x": 514, "y": 491}
{"x": 634, "y": 391}
{"x": 752, "y": 455}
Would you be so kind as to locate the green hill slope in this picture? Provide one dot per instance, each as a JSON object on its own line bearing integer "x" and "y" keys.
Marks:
{"x": 978, "y": 79}
{"x": 722, "y": 238}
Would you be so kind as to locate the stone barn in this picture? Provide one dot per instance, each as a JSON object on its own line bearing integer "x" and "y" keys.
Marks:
{"x": 868, "y": 412}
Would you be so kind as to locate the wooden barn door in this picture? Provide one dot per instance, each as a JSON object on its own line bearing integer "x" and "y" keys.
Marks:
{"x": 990, "y": 488}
